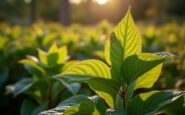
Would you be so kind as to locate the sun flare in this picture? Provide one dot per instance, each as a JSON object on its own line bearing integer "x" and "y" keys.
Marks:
{"x": 101, "y": 2}
{"x": 75, "y": 1}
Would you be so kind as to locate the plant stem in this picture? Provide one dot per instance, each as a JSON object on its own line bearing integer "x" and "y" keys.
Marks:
{"x": 122, "y": 95}
{"x": 49, "y": 95}
{"x": 124, "y": 104}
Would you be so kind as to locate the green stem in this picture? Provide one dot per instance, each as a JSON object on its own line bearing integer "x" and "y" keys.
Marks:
{"x": 122, "y": 95}
{"x": 49, "y": 97}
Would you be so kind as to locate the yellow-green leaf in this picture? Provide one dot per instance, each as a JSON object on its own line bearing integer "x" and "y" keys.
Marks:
{"x": 148, "y": 103}
{"x": 135, "y": 66}
{"x": 84, "y": 108}
{"x": 141, "y": 71}
{"x": 147, "y": 80}
{"x": 105, "y": 88}
{"x": 42, "y": 56}
{"x": 127, "y": 33}
{"x": 33, "y": 64}
{"x": 62, "y": 55}
{"x": 53, "y": 49}
{"x": 88, "y": 68}
{"x": 124, "y": 41}
{"x": 97, "y": 76}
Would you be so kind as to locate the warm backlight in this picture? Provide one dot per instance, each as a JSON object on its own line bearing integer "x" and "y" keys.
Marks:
{"x": 75, "y": 1}
{"x": 101, "y": 2}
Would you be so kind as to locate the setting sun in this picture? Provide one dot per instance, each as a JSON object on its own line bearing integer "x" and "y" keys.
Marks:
{"x": 101, "y": 2}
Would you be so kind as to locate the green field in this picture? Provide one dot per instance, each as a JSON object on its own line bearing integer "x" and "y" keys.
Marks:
{"x": 31, "y": 55}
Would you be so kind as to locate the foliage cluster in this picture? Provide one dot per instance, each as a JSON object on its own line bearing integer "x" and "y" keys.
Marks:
{"x": 121, "y": 79}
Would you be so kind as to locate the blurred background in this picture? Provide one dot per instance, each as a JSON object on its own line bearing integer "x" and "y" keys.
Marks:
{"x": 83, "y": 26}
{"x": 88, "y": 11}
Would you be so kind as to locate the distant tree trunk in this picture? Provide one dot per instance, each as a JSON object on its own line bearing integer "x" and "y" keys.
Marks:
{"x": 64, "y": 12}
{"x": 88, "y": 11}
{"x": 32, "y": 11}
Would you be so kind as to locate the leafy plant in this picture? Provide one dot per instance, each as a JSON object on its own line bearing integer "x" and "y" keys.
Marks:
{"x": 118, "y": 82}
{"x": 43, "y": 89}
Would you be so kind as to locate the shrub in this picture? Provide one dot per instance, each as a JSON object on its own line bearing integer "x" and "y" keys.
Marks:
{"x": 117, "y": 82}
{"x": 43, "y": 89}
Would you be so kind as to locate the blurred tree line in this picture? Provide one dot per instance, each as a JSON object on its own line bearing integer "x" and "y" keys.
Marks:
{"x": 87, "y": 12}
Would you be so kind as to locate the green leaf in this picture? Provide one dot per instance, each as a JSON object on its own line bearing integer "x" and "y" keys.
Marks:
{"x": 124, "y": 41}
{"x": 88, "y": 68}
{"x": 68, "y": 64}
{"x": 116, "y": 112}
{"x": 54, "y": 56}
{"x": 99, "y": 103}
{"x": 56, "y": 90}
{"x": 175, "y": 108}
{"x": 165, "y": 54}
{"x": 27, "y": 107}
{"x": 52, "y": 59}
{"x": 106, "y": 89}
{"x": 23, "y": 85}
{"x": 71, "y": 102}
{"x": 15, "y": 32}
{"x": 74, "y": 100}
{"x": 149, "y": 103}
{"x": 147, "y": 80}
{"x": 150, "y": 68}
{"x": 42, "y": 57}
{"x": 136, "y": 65}
{"x": 91, "y": 72}
{"x": 85, "y": 108}
{"x": 54, "y": 70}
{"x": 33, "y": 64}
{"x": 141, "y": 71}
{"x": 40, "y": 109}
{"x": 48, "y": 39}
{"x": 119, "y": 102}
{"x": 128, "y": 35}
{"x": 30, "y": 108}
{"x": 73, "y": 87}
{"x": 62, "y": 55}
{"x": 39, "y": 90}
{"x": 4, "y": 76}
{"x": 114, "y": 56}
{"x": 53, "y": 49}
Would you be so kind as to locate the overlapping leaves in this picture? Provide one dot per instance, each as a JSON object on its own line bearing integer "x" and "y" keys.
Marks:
{"x": 78, "y": 105}
{"x": 128, "y": 70}
{"x": 43, "y": 85}
{"x": 97, "y": 75}
{"x": 124, "y": 41}
{"x": 150, "y": 102}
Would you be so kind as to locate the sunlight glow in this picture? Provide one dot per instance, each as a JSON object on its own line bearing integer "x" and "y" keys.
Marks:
{"x": 75, "y": 1}
{"x": 101, "y": 2}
